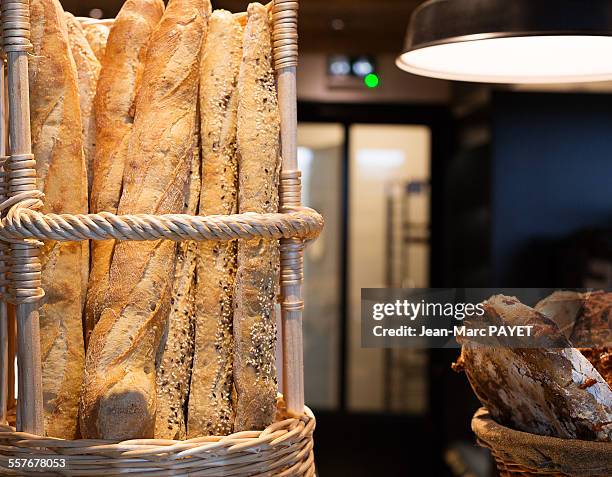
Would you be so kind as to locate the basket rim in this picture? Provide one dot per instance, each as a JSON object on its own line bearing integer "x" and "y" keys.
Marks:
{"x": 574, "y": 457}
{"x": 285, "y": 448}
{"x": 285, "y": 421}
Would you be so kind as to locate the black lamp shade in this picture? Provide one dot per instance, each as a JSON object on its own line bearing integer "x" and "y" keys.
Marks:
{"x": 523, "y": 41}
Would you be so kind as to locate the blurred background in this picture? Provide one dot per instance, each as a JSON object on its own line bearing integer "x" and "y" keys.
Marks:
{"x": 426, "y": 183}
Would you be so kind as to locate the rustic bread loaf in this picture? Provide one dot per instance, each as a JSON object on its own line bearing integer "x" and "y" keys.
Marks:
{"x": 174, "y": 365}
{"x": 97, "y": 36}
{"x": 118, "y": 400}
{"x": 593, "y": 326}
{"x": 601, "y": 359}
{"x": 563, "y": 307}
{"x": 88, "y": 71}
{"x": 258, "y": 260}
{"x": 552, "y": 390}
{"x": 210, "y": 397}
{"x": 58, "y": 147}
{"x": 585, "y": 319}
{"x": 114, "y": 112}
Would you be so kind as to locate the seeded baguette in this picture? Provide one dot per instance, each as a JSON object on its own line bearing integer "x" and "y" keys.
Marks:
{"x": 114, "y": 111}
{"x": 88, "y": 71}
{"x": 97, "y": 36}
{"x": 119, "y": 398}
{"x": 210, "y": 399}
{"x": 173, "y": 373}
{"x": 58, "y": 147}
{"x": 258, "y": 260}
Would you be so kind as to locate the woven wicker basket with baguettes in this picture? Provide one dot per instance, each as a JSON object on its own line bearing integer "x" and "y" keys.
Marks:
{"x": 121, "y": 403}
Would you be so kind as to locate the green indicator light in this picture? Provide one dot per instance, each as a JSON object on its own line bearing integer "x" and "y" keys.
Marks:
{"x": 371, "y": 80}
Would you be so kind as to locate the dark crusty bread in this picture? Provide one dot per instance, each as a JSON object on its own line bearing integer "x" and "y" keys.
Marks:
{"x": 552, "y": 390}
{"x": 58, "y": 147}
{"x": 119, "y": 397}
{"x": 210, "y": 398}
{"x": 114, "y": 112}
{"x": 593, "y": 326}
{"x": 258, "y": 260}
{"x": 601, "y": 359}
{"x": 585, "y": 318}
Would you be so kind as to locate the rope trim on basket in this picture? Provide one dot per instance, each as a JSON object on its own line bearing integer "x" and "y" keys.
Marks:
{"x": 21, "y": 222}
{"x": 24, "y": 221}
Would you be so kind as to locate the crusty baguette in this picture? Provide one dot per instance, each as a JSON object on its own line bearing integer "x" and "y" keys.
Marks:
{"x": 97, "y": 36}
{"x": 88, "y": 71}
{"x": 114, "y": 112}
{"x": 258, "y": 260}
{"x": 210, "y": 399}
{"x": 118, "y": 400}
{"x": 58, "y": 147}
{"x": 173, "y": 373}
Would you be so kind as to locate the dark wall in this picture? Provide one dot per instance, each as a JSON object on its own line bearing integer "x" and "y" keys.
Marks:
{"x": 83, "y": 7}
{"x": 551, "y": 177}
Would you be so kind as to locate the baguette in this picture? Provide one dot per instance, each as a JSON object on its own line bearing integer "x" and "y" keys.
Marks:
{"x": 97, "y": 36}
{"x": 174, "y": 369}
{"x": 114, "y": 112}
{"x": 258, "y": 260}
{"x": 58, "y": 147}
{"x": 88, "y": 71}
{"x": 119, "y": 399}
{"x": 210, "y": 401}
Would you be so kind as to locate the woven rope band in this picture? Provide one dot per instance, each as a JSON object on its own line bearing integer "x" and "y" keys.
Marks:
{"x": 285, "y": 34}
{"x": 23, "y": 223}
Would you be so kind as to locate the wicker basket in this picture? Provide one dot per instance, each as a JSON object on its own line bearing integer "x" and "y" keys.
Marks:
{"x": 528, "y": 455}
{"x": 283, "y": 449}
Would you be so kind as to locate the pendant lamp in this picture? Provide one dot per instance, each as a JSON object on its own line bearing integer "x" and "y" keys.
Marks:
{"x": 511, "y": 41}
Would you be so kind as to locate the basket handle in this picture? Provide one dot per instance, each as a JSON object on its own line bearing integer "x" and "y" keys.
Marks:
{"x": 25, "y": 276}
{"x": 285, "y": 33}
{"x": 4, "y": 248}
